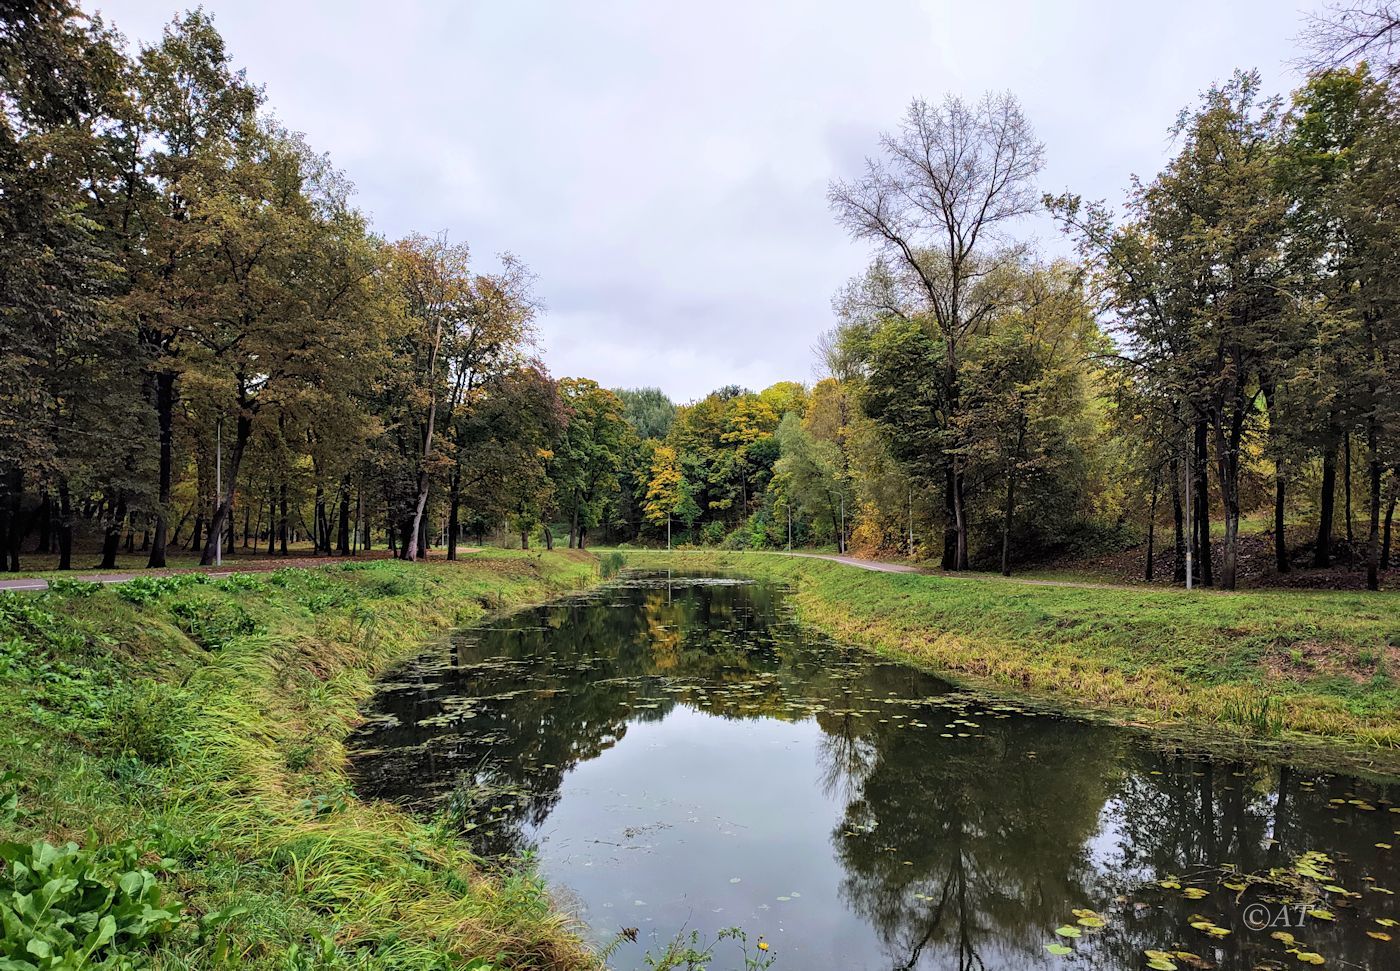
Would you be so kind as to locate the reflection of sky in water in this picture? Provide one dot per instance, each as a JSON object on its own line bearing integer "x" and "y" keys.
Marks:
{"x": 686, "y": 757}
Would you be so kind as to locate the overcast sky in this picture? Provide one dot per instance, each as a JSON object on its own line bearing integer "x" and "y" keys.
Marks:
{"x": 663, "y": 167}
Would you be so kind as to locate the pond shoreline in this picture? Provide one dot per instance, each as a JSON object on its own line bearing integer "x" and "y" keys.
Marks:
{"x": 1191, "y": 673}
{"x": 203, "y": 721}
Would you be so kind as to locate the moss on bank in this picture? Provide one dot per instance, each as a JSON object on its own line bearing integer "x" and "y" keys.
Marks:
{"x": 202, "y": 722}
{"x": 1286, "y": 666}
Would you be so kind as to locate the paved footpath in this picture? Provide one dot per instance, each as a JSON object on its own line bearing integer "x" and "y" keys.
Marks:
{"x": 249, "y": 565}
{"x": 879, "y": 566}
{"x": 40, "y": 584}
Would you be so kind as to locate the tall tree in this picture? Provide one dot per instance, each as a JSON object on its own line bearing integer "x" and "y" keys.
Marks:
{"x": 937, "y": 203}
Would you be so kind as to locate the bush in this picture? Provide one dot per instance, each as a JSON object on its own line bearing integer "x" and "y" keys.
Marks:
{"x": 140, "y": 721}
{"x": 712, "y": 533}
{"x": 67, "y": 908}
{"x": 143, "y": 590}
{"x": 740, "y": 539}
{"x": 73, "y": 588}
{"x": 212, "y": 624}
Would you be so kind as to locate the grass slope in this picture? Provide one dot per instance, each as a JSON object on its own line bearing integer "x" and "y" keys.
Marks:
{"x": 202, "y": 723}
{"x": 1299, "y": 667}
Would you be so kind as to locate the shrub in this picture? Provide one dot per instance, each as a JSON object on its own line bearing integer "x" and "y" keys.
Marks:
{"x": 140, "y": 721}
{"x": 212, "y": 624}
{"x": 712, "y": 533}
{"x": 143, "y": 590}
{"x": 73, "y": 588}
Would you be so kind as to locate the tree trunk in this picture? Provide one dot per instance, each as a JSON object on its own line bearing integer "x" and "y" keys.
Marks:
{"x": 524, "y": 539}
{"x": 224, "y": 508}
{"x": 10, "y": 527}
{"x": 582, "y": 532}
{"x": 1375, "y": 473}
{"x": 1280, "y": 540}
{"x": 1201, "y": 518}
{"x": 1006, "y": 525}
{"x": 319, "y": 541}
{"x": 960, "y": 511}
{"x": 112, "y": 533}
{"x": 1389, "y": 521}
{"x": 271, "y": 518}
{"x": 1322, "y": 552}
{"x": 165, "y": 419}
{"x": 175, "y": 535}
{"x": 454, "y": 503}
{"x": 549, "y": 534}
{"x": 409, "y": 544}
{"x": 1151, "y": 527}
{"x": 45, "y": 544}
{"x": 1280, "y": 479}
{"x": 1346, "y": 492}
{"x": 573, "y": 530}
{"x": 256, "y": 535}
{"x": 342, "y": 533}
{"x": 1178, "y": 519}
{"x": 949, "y": 558}
{"x": 1227, "y": 459}
{"x": 65, "y": 526}
{"x": 283, "y": 524}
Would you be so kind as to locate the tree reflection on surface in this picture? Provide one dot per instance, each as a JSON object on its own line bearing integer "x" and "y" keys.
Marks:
{"x": 654, "y": 737}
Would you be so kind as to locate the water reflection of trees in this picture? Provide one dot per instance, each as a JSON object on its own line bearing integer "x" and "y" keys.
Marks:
{"x": 959, "y": 852}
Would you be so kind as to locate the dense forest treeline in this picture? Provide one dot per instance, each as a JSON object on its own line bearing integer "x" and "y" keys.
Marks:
{"x": 205, "y": 343}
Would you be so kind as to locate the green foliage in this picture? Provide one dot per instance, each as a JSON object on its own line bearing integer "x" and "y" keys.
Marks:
{"x": 648, "y": 411}
{"x": 142, "y": 719}
{"x": 691, "y": 953}
{"x": 72, "y": 588}
{"x": 1262, "y": 716}
{"x": 213, "y": 623}
{"x": 66, "y": 909}
{"x": 144, "y": 590}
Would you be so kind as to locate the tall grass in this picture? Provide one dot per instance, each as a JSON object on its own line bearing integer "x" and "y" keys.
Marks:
{"x": 205, "y": 723}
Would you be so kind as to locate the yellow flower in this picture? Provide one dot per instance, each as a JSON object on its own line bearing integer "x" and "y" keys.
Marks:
{"x": 763, "y": 945}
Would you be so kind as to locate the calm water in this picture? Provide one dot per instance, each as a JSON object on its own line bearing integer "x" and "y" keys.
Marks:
{"x": 677, "y": 752}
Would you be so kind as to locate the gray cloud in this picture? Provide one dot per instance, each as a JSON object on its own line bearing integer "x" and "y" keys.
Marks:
{"x": 663, "y": 168}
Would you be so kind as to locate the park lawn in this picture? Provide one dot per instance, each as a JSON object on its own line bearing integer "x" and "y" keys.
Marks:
{"x": 1302, "y": 668}
{"x": 197, "y": 726}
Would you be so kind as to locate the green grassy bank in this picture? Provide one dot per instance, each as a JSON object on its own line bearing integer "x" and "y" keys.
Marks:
{"x": 187, "y": 735}
{"x": 1291, "y": 667}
